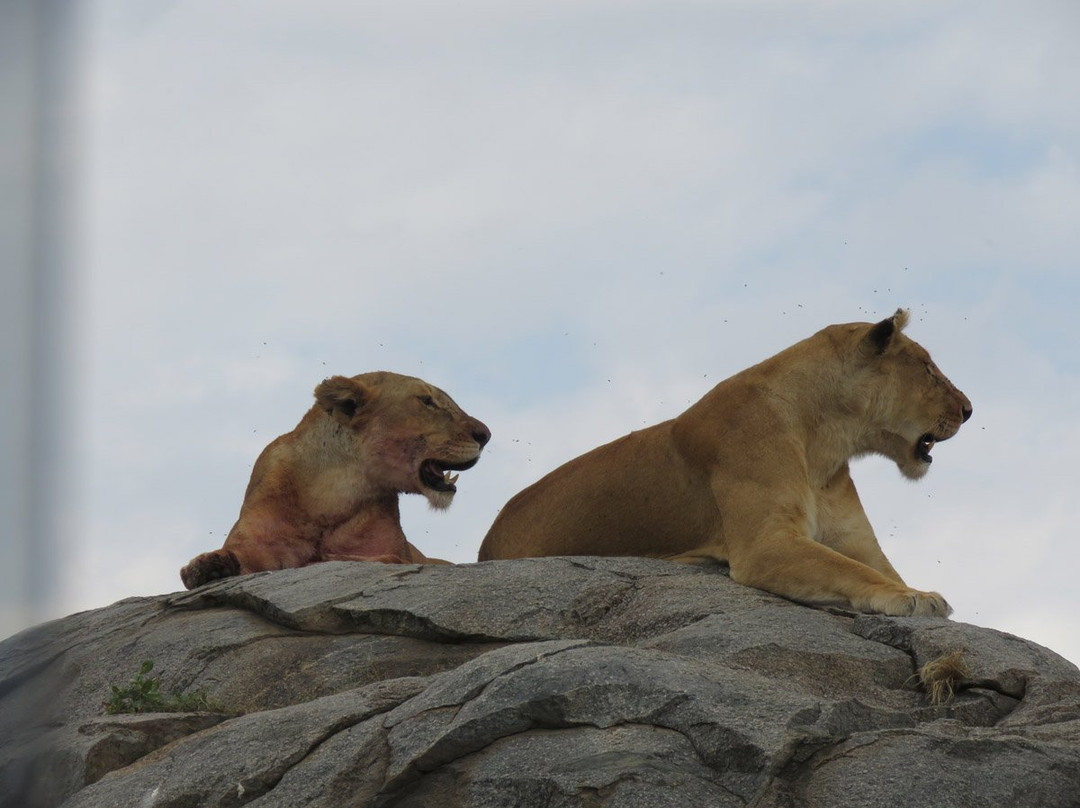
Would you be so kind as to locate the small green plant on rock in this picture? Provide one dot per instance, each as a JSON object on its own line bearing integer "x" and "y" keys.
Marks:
{"x": 143, "y": 695}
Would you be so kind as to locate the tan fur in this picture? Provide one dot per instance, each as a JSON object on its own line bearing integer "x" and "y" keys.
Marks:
{"x": 755, "y": 474}
{"x": 942, "y": 677}
{"x": 329, "y": 489}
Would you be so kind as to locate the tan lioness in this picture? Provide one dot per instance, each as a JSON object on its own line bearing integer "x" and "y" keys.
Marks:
{"x": 756, "y": 474}
{"x": 328, "y": 490}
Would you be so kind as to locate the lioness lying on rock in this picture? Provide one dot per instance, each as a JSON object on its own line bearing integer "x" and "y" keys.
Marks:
{"x": 756, "y": 474}
{"x": 328, "y": 490}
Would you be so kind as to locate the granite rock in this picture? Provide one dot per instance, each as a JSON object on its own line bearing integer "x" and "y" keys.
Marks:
{"x": 550, "y": 682}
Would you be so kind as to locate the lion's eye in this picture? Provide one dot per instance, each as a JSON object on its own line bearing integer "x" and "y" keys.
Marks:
{"x": 428, "y": 401}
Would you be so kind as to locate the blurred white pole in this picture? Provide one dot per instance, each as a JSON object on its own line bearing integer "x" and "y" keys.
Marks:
{"x": 38, "y": 60}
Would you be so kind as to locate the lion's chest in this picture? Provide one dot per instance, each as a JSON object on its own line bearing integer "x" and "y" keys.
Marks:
{"x": 835, "y": 513}
{"x": 372, "y": 532}
{"x": 814, "y": 522}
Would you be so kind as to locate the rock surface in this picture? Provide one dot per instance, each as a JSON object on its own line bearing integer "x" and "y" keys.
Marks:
{"x": 540, "y": 682}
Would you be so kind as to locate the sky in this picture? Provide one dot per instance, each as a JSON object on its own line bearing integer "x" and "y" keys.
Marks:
{"x": 575, "y": 218}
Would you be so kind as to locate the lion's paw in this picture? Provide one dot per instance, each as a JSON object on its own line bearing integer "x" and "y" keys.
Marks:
{"x": 929, "y": 604}
{"x": 209, "y": 567}
{"x": 913, "y": 603}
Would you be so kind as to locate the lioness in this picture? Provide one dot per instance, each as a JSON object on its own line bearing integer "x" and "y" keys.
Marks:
{"x": 329, "y": 489}
{"x": 756, "y": 474}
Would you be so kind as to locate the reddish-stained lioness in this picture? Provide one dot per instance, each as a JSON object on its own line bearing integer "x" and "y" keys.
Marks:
{"x": 756, "y": 474}
{"x": 328, "y": 490}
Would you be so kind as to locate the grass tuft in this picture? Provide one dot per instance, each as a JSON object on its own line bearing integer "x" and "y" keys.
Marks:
{"x": 143, "y": 695}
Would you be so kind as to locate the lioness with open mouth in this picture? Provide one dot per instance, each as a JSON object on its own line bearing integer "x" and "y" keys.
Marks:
{"x": 755, "y": 474}
{"x": 328, "y": 490}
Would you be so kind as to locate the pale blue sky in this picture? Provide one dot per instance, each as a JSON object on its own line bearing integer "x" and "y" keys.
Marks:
{"x": 575, "y": 217}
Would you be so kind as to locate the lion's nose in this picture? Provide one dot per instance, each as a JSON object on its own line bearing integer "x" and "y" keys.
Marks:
{"x": 481, "y": 434}
{"x": 965, "y": 405}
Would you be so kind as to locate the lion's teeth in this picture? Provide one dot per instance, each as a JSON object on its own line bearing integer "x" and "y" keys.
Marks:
{"x": 450, "y": 479}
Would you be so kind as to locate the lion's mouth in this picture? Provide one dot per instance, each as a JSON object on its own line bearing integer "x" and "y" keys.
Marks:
{"x": 929, "y": 440}
{"x": 437, "y": 474}
{"x": 923, "y": 447}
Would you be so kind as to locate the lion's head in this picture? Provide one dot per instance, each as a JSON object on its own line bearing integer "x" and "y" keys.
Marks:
{"x": 910, "y": 404}
{"x": 411, "y": 436}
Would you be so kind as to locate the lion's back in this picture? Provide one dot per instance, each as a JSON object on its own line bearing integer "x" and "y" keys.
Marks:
{"x": 602, "y": 503}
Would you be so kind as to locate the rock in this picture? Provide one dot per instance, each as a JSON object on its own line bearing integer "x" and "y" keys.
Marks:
{"x": 557, "y": 682}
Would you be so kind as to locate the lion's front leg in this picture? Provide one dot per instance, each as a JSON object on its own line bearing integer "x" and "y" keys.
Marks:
{"x": 418, "y": 557}
{"x": 844, "y": 526}
{"x": 801, "y": 569}
{"x": 259, "y": 541}
{"x": 769, "y": 545}
{"x": 209, "y": 567}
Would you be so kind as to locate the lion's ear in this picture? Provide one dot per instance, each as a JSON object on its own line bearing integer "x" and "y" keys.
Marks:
{"x": 881, "y": 334}
{"x": 343, "y": 397}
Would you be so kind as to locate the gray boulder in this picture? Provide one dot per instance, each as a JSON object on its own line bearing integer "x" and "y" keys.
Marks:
{"x": 578, "y": 682}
